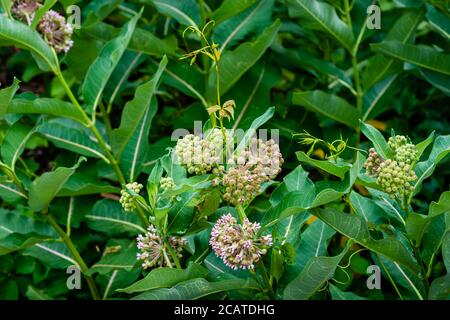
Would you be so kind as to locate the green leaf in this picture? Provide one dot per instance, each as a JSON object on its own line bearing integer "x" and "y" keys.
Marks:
{"x": 47, "y": 186}
{"x": 136, "y": 121}
{"x": 251, "y": 21}
{"x": 439, "y": 21}
{"x": 70, "y": 135}
{"x": 337, "y": 169}
{"x": 186, "y": 12}
{"x": 52, "y": 254}
{"x": 230, "y": 8}
{"x": 381, "y": 66}
{"x": 314, "y": 275}
{"x": 48, "y": 106}
{"x": 355, "y": 228}
{"x": 338, "y": 294}
{"x": 6, "y": 95}
{"x": 16, "y": 241}
{"x": 328, "y": 105}
{"x": 48, "y": 4}
{"x": 314, "y": 242}
{"x": 108, "y": 216}
{"x": 118, "y": 255}
{"x": 377, "y": 139}
{"x": 166, "y": 278}
{"x": 233, "y": 64}
{"x": 424, "y": 169}
{"x": 256, "y": 124}
{"x": 324, "y": 18}
{"x": 197, "y": 288}
{"x": 101, "y": 70}
{"x": 142, "y": 40}
{"x": 442, "y": 206}
{"x": 182, "y": 211}
{"x": 14, "y": 143}
{"x": 22, "y": 36}
{"x": 420, "y": 55}
{"x": 82, "y": 183}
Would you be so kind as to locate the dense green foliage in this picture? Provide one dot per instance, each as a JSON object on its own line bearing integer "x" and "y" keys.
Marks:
{"x": 88, "y": 162}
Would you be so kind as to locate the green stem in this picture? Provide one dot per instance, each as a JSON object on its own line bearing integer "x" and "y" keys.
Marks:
{"x": 105, "y": 118}
{"x": 73, "y": 250}
{"x": 88, "y": 123}
{"x": 241, "y": 213}
{"x": 174, "y": 255}
{"x": 142, "y": 216}
{"x": 263, "y": 271}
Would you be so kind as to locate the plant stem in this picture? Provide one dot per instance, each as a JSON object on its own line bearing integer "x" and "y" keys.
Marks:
{"x": 73, "y": 250}
{"x": 263, "y": 271}
{"x": 105, "y": 118}
{"x": 174, "y": 256}
{"x": 88, "y": 123}
{"x": 241, "y": 213}
{"x": 142, "y": 215}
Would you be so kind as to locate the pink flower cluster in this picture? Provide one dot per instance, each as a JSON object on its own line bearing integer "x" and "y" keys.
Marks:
{"x": 239, "y": 246}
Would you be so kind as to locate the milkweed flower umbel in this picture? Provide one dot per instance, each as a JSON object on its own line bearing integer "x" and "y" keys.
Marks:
{"x": 56, "y": 31}
{"x": 153, "y": 251}
{"x": 24, "y": 10}
{"x": 126, "y": 199}
{"x": 238, "y": 245}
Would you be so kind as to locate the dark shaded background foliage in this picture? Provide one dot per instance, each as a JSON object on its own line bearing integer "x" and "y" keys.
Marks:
{"x": 294, "y": 62}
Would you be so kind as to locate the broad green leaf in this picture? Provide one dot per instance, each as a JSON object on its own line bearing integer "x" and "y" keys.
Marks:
{"x": 166, "y": 278}
{"x": 186, "y": 12}
{"x": 12, "y": 222}
{"x": 6, "y": 5}
{"x": 182, "y": 212}
{"x": 142, "y": 40}
{"x": 301, "y": 58}
{"x": 338, "y": 169}
{"x": 82, "y": 183}
{"x": 14, "y": 143}
{"x": 52, "y": 254}
{"x": 233, "y": 64}
{"x": 338, "y": 294}
{"x": 289, "y": 229}
{"x": 197, "y": 288}
{"x": 46, "y": 187}
{"x": 10, "y": 193}
{"x": 328, "y": 105}
{"x": 35, "y": 294}
{"x": 48, "y": 106}
{"x": 314, "y": 242}
{"x": 118, "y": 255}
{"x": 355, "y": 228}
{"x": 443, "y": 205}
{"x": 48, "y": 4}
{"x": 70, "y": 135}
{"x": 101, "y": 70}
{"x": 253, "y": 20}
{"x": 135, "y": 123}
{"x": 312, "y": 278}
{"x": 424, "y": 169}
{"x": 6, "y": 95}
{"x": 323, "y": 17}
{"x": 16, "y": 241}
{"x": 252, "y": 131}
{"x": 439, "y": 21}
{"x": 108, "y": 216}
{"x": 379, "y": 65}
{"x": 373, "y": 96}
{"x": 420, "y": 55}
{"x": 230, "y": 8}
{"x": 421, "y": 146}
{"x": 22, "y": 36}
{"x": 439, "y": 288}
{"x": 377, "y": 139}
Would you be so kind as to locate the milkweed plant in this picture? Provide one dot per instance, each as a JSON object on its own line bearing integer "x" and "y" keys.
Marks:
{"x": 224, "y": 150}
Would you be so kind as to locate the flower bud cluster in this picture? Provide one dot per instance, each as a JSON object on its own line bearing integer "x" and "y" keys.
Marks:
{"x": 259, "y": 163}
{"x": 238, "y": 245}
{"x": 52, "y": 26}
{"x": 167, "y": 183}
{"x": 396, "y": 177}
{"x": 153, "y": 251}
{"x": 404, "y": 151}
{"x": 201, "y": 156}
{"x": 373, "y": 162}
{"x": 24, "y": 10}
{"x": 126, "y": 199}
